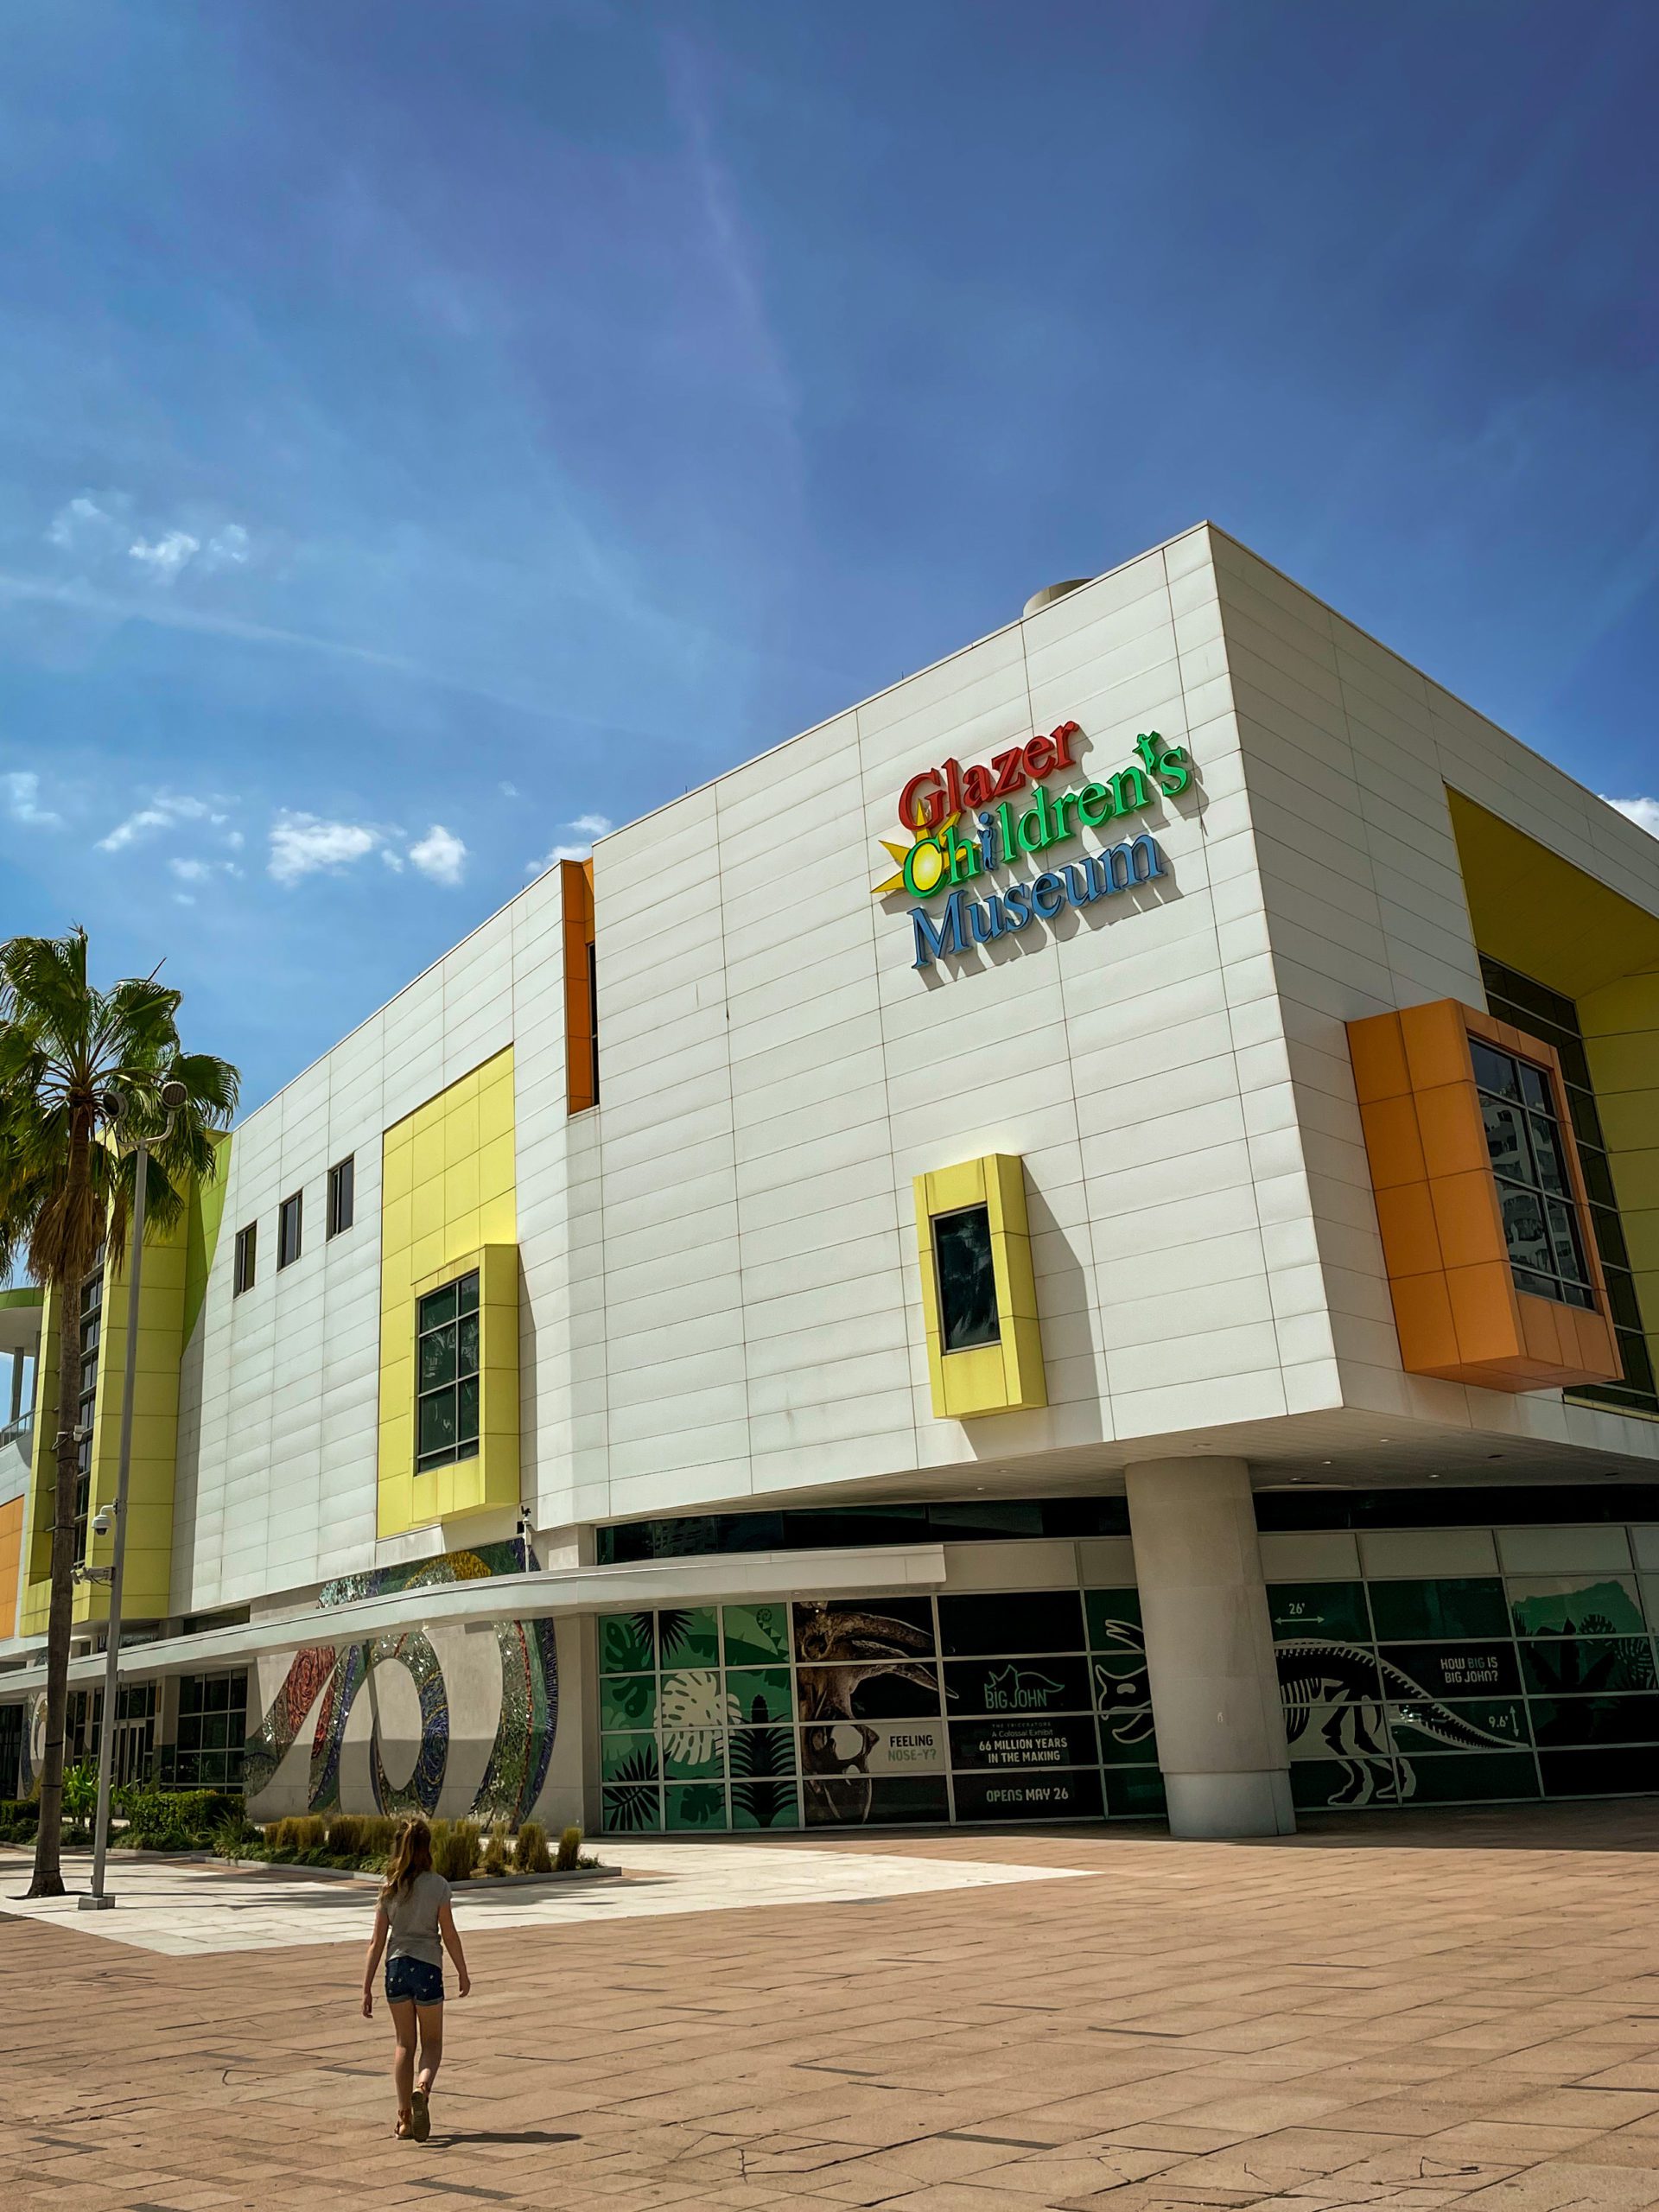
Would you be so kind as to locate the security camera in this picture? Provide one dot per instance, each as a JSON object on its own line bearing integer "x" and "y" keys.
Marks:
{"x": 103, "y": 1520}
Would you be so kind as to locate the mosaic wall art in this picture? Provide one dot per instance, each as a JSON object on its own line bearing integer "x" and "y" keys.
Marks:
{"x": 327, "y": 1678}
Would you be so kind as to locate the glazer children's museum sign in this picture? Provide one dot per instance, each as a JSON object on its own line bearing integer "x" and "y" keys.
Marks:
{"x": 943, "y": 857}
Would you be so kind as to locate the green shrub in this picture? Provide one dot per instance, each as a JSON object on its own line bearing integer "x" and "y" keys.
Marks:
{"x": 569, "y": 1851}
{"x": 346, "y": 1836}
{"x": 80, "y": 1794}
{"x": 235, "y": 1836}
{"x": 379, "y": 1833}
{"x": 462, "y": 1847}
{"x": 298, "y": 1836}
{"x": 496, "y": 1858}
{"x": 529, "y": 1849}
{"x": 20, "y": 1820}
{"x": 173, "y": 1820}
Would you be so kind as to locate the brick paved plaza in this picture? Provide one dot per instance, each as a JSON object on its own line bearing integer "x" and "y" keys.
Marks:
{"x": 1410, "y": 2011}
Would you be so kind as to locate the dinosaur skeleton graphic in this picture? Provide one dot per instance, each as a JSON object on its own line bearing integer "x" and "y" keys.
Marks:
{"x": 1344, "y": 1676}
{"x": 1337, "y": 1682}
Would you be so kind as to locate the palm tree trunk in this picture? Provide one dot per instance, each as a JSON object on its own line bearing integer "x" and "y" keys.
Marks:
{"x": 48, "y": 1877}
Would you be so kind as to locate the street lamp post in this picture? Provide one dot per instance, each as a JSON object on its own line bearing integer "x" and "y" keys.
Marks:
{"x": 173, "y": 1096}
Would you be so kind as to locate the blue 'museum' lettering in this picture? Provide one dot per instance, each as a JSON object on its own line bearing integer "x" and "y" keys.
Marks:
{"x": 964, "y": 922}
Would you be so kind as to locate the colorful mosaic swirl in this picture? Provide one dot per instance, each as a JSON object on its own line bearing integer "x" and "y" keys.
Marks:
{"x": 327, "y": 1678}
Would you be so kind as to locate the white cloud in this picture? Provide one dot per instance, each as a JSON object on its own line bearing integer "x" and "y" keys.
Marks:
{"x": 440, "y": 854}
{"x": 164, "y": 556}
{"x": 1644, "y": 812}
{"x": 306, "y": 844}
{"x": 200, "y": 871}
{"x": 22, "y": 791}
{"x": 164, "y": 810}
{"x": 508, "y": 791}
{"x": 590, "y": 826}
{"x": 228, "y": 548}
{"x": 81, "y": 524}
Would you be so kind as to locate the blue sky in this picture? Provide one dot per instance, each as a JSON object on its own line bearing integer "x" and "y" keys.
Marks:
{"x": 429, "y": 431}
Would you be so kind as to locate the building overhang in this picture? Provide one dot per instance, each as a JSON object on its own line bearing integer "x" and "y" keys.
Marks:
{"x": 555, "y": 1592}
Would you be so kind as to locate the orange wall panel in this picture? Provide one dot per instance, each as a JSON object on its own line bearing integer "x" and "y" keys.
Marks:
{"x": 11, "y": 1556}
{"x": 1458, "y": 1313}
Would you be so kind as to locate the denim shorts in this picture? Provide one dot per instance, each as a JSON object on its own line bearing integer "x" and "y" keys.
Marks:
{"x": 414, "y": 1979}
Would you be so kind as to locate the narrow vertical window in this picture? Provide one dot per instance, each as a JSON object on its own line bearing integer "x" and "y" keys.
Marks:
{"x": 961, "y": 1253}
{"x": 342, "y": 1194}
{"x": 288, "y": 1231}
{"x": 446, "y": 1367}
{"x": 247, "y": 1243}
{"x": 1524, "y": 1143}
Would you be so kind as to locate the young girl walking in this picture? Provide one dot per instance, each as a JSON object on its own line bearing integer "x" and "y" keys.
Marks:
{"x": 414, "y": 1926}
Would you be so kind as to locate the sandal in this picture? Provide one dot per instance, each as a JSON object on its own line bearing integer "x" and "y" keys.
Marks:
{"x": 420, "y": 2125}
{"x": 404, "y": 2129}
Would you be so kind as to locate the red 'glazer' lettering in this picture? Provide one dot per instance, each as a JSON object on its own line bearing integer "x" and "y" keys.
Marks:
{"x": 928, "y": 798}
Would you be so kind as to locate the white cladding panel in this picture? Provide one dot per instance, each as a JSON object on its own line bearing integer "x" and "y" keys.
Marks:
{"x": 775, "y": 1070}
{"x": 1348, "y": 754}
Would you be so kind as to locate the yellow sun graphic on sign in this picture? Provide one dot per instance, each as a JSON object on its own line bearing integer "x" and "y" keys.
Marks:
{"x": 925, "y": 874}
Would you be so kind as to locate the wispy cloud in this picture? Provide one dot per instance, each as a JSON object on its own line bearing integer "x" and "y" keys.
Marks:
{"x": 171, "y": 613}
{"x": 191, "y": 870}
{"x": 164, "y": 811}
{"x": 1644, "y": 812}
{"x": 82, "y": 525}
{"x": 100, "y": 532}
{"x": 22, "y": 788}
{"x": 439, "y": 854}
{"x": 230, "y": 548}
{"x": 587, "y": 826}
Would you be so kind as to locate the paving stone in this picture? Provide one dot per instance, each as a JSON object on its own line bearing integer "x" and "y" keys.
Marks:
{"x": 1395, "y": 2012}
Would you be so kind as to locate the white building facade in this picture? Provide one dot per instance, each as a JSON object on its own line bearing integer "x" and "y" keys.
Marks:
{"x": 1076, "y": 1242}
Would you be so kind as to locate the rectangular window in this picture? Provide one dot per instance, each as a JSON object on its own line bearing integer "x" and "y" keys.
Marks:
{"x": 342, "y": 1194}
{"x": 247, "y": 1244}
{"x": 212, "y": 1730}
{"x": 92, "y": 1327}
{"x": 962, "y": 1255}
{"x": 288, "y": 1231}
{"x": 1523, "y": 1141}
{"x": 1543, "y": 1013}
{"x": 447, "y": 1371}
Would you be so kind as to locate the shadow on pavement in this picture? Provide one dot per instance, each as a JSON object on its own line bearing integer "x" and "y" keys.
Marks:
{"x": 499, "y": 2135}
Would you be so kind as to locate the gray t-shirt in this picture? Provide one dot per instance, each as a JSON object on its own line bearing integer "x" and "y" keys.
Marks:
{"x": 413, "y": 1917}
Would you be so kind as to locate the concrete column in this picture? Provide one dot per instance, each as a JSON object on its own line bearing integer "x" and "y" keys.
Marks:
{"x": 1215, "y": 1689}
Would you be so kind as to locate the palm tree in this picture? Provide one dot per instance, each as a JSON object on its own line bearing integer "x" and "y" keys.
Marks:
{"x": 71, "y": 1055}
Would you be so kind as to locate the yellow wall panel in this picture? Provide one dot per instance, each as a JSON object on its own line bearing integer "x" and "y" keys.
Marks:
{"x": 1537, "y": 912}
{"x": 449, "y": 1205}
{"x": 147, "y": 1592}
{"x": 997, "y": 1378}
